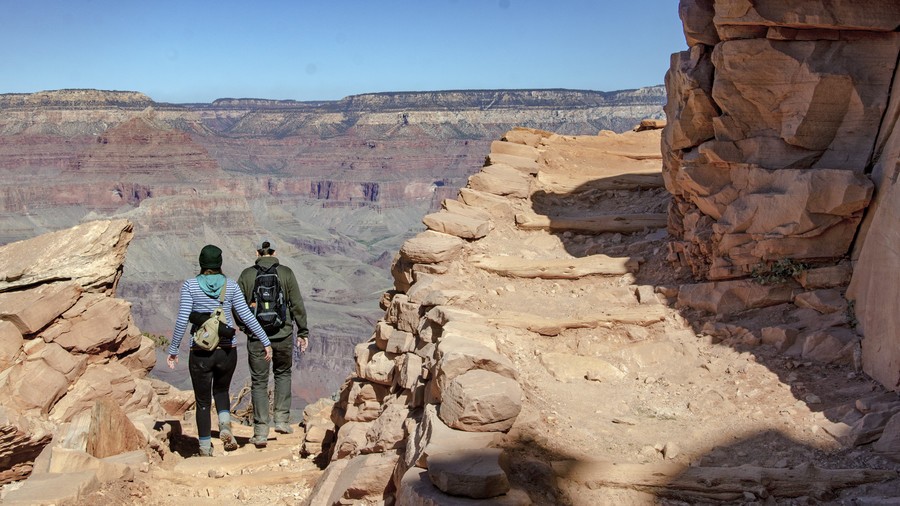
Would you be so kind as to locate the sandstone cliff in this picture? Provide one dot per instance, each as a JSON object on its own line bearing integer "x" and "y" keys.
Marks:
{"x": 73, "y": 365}
{"x": 782, "y": 118}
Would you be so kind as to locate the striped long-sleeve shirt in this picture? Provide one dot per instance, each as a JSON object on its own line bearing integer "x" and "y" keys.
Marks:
{"x": 193, "y": 299}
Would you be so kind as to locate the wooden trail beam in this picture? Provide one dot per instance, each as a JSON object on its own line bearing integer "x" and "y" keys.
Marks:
{"x": 719, "y": 483}
{"x": 556, "y": 268}
{"x": 545, "y": 326}
{"x": 566, "y": 184}
{"x": 594, "y": 225}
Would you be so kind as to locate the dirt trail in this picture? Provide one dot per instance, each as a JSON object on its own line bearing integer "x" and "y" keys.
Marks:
{"x": 612, "y": 373}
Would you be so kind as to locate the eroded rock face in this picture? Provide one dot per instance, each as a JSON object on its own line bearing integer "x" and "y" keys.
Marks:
{"x": 773, "y": 112}
{"x": 782, "y": 128}
{"x": 67, "y": 345}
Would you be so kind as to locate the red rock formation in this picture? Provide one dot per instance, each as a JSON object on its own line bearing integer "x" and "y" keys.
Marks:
{"x": 781, "y": 124}
{"x": 68, "y": 343}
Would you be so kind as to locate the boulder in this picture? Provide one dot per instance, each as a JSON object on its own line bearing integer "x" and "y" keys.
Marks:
{"x": 433, "y": 436}
{"x": 476, "y": 473}
{"x": 431, "y": 247}
{"x": 90, "y": 254}
{"x": 458, "y": 355}
{"x": 481, "y": 401}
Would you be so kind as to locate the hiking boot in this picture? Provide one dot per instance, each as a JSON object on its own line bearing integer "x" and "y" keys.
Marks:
{"x": 206, "y": 452}
{"x": 284, "y": 428}
{"x": 259, "y": 441}
{"x": 228, "y": 441}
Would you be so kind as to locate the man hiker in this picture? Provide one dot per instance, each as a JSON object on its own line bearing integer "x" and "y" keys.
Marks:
{"x": 272, "y": 292}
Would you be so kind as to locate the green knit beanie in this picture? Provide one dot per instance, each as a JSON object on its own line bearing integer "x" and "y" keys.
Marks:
{"x": 210, "y": 257}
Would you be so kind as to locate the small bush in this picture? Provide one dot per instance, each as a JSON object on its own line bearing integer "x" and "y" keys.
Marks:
{"x": 777, "y": 272}
{"x": 158, "y": 341}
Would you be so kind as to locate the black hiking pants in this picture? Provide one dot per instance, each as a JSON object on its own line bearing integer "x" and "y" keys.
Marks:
{"x": 211, "y": 373}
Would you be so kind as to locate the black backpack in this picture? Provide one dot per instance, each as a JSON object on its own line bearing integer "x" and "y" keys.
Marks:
{"x": 268, "y": 300}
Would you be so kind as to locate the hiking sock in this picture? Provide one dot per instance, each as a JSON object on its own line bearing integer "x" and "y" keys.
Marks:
{"x": 228, "y": 441}
{"x": 224, "y": 419}
{"x": 206, "y": 445}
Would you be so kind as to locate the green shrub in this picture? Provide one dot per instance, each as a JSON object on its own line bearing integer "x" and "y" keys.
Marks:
{"x": 158, "y": 341}
{"x": 777, "y": 272}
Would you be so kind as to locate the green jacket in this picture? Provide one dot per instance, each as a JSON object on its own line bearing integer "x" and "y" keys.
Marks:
{"x": 291, "y": 291}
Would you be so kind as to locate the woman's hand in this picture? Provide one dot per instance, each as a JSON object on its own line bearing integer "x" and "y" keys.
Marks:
{"x": 172, "y": 360}
{"x": 302, "y": 343}
{"x": 268, "y": 353}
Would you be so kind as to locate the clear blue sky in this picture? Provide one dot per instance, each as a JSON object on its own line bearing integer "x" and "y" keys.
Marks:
{"x": 196, "y": 51}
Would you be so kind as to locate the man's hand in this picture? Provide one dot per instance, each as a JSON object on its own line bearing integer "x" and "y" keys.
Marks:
{"x": 302, "y": 343}
{"x": 268, "y": 353}
{"x": 172, "y": 360}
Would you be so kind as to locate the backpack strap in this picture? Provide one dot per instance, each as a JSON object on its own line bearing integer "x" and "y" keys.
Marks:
{"x": 222, "y": 293}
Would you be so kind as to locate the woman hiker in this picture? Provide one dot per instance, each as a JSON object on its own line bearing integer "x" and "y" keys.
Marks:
{"x": 211, "y": 371}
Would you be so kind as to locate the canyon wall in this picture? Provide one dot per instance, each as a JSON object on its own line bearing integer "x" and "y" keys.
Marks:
{"x": 781, "y": 129}
{"x": 337, "y": 186}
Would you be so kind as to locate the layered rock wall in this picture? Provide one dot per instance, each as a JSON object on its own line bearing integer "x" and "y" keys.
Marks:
{"x": 67, "y": 345}
{"x": 773, "y": 115}
{"x": 781, "y": 122}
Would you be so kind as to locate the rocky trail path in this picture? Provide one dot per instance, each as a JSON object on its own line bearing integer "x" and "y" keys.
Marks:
{"x": 631, "y": 394}
{"x": 629, "y": 400}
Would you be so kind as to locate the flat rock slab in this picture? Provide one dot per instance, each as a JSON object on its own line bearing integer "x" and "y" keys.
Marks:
{"x": 476, "y": 473}
{"x": 54, "y": 488}
{"x": 416, "y": 488}
{"x": 516, "y": 149}
{"x": 593, "y": 225}
{"x": 524, "y": 164}
{"x": 556, "y": 268}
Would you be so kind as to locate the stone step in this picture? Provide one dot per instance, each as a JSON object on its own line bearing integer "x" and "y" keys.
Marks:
{"x": 568, "y": 184}
{"x": 459, "y": 225}
{"x": 521, "y": 163}
{"x": 556, "y": 268}
{"x": 233, "y": 462}
{"x": 515, "y": 149}
{"x": 593, "y": 225}
{"x": 501, "y": 179}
